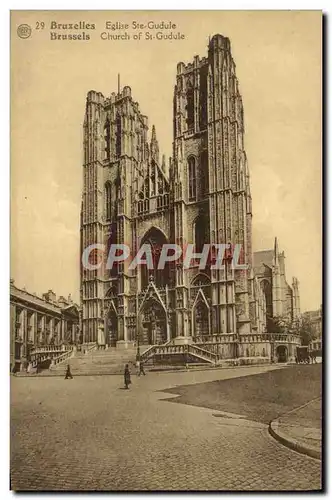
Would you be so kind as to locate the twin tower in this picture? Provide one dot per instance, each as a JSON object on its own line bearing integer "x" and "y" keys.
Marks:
{"x": 201, "y": 195}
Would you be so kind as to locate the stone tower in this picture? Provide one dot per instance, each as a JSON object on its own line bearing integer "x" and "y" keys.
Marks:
{"x": 122, "y": 183}
{"x": 210, "y": 184}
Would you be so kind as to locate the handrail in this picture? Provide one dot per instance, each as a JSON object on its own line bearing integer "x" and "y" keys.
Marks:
{"x": 63, "y": 357}
{"x": 51, "y": 348}
{"x": 202, "y": 352}
{"x": 146, "y": 353}
{"x": 166, "y": 349}
{"x": 90, "y": 347}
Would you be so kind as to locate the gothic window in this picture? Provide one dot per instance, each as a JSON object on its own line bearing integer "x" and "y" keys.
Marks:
{"x": 190, "y": 107}
{"x": 146, "y": 187}
{"x": 192, "y": 178}
{"x": 108, "y": 200}
{"x": 118, "y": 134}
{"x": 201, "y": 232}
{"x": 203, "y": 98}
{"x": 107, "y": 139}
{"x": 201, "y": 280}
{"x": 155, "y": 239}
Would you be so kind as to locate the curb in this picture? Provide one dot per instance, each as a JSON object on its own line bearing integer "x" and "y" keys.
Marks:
{"x": 210, "y": 368}
{"x": 292, "y": 443}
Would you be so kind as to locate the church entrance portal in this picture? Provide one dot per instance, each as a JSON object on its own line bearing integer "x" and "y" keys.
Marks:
{"x": 112, "y": 328}
{"x": 201, "y": 320}
{"x": 153, "y": 323}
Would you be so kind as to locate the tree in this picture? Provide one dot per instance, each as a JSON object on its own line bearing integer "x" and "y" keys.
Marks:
{"x": 278, "y": 324}
{"x": 306, "y": 330}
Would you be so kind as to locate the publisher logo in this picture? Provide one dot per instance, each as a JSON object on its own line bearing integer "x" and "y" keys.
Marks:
{"x": 24, "y": 31}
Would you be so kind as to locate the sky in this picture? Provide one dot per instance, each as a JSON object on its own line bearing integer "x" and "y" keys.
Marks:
{"x": 278, "y": 64}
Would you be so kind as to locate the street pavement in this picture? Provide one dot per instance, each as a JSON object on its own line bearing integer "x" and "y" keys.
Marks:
{"x": 90, "y": 434}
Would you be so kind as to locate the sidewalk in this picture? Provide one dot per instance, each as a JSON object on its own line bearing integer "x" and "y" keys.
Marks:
{"x": 301, "y": 429}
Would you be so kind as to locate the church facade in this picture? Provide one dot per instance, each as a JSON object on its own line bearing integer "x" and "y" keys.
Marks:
{"x": 200, "y": 196}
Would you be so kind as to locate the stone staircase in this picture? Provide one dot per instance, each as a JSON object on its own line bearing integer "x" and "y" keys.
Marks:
{"x": 113, "y": 360}
{"x": 98, "y": 362}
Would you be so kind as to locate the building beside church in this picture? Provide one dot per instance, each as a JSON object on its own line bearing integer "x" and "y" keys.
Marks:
{"x": 201, "y": 195}
{"x": 282, "y": 300}
{"x": 39, "y": 322}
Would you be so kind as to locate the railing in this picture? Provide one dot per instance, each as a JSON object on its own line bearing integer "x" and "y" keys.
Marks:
{"x": 90, "y": 347}
{"x": 215, "y": 339}
{"x": 50, "y": 348}
{"x": 63, "y": 357}
{"x": 285, "y": 337}
{"x": 198, "y": 351}
{"x": 146, "y": 354}
{"x": 168, "y": 350}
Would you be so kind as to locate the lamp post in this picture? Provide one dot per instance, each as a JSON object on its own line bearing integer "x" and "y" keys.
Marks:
{"x": 138, "y": 354}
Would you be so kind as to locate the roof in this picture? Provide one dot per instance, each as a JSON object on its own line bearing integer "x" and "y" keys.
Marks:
{"x": 23, "y": 295}
{"x": 263, "y": 257}
{"x": 34, "y": 300}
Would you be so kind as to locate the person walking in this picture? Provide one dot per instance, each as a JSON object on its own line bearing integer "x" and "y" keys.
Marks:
{"x": 127, "y": 380}
{"x": 68, "y": 373}
{"x": 141, "y": 368}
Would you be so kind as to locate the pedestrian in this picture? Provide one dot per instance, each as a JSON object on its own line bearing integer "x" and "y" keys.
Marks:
{"x": 68, "y": 373}
{"x": 127, "y": 380}
{"x": 141, "y": 368}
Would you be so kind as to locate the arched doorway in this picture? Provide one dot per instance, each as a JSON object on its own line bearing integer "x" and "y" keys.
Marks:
{"x": 111, "y": 328}
{"x": 153, "y": 323}
{"x": 201, "y": 319}
{"x": 155, "y": 239}
{"x": 282, "y": 353}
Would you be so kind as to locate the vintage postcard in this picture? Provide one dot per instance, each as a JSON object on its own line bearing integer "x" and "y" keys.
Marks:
{"x": 166, "y": 289}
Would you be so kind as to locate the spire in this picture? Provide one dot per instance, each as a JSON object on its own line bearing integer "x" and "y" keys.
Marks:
{"x": 153, "y": 134}
{"x": 154, "y": 146}
{"x": 119, "y": 83}
{"x": 163, "y": 163}
{"x": 276, "y": 252}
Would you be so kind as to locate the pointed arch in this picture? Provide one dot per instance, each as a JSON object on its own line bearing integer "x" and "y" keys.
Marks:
{"x": 192, "y": 167}
{"x": 200, "y": 279}
{"x": 155, "y": 238}
{"x": 108, "y": 200}
{"x": 200, "y": 316}
{"x": 201, "y": 232}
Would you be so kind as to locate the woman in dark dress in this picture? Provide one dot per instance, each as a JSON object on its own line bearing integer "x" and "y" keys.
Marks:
{"x": 127, "y": 380}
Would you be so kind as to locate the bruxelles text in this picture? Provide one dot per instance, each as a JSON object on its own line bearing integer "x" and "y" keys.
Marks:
{"x": 158, "y": 256}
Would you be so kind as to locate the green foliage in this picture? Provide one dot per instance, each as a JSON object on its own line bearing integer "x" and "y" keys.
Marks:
{"x": 278, "y": 324}
{"x": 306, "y": 330}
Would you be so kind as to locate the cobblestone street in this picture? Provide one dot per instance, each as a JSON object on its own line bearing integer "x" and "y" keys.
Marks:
{"x": 90, "y": 434}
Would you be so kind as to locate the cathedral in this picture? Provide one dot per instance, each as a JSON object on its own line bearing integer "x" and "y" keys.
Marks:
{"x": 201, "y": 195}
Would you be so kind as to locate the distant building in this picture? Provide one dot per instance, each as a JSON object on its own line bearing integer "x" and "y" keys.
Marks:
{"x": 39, "y": 321}
{"x": 316, "y": 319}
{"x": 282, "y": 299}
